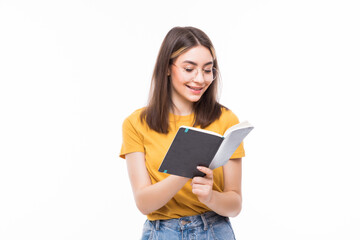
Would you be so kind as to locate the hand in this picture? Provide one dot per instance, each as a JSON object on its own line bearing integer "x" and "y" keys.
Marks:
{"x": 202, "y": 187}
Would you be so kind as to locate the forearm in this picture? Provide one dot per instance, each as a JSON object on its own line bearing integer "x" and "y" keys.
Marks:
{"x": 155, "y": 196}
{"x": 225, "y": 203}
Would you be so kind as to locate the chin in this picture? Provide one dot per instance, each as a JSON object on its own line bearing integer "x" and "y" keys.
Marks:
{"x": 194, "y": 99}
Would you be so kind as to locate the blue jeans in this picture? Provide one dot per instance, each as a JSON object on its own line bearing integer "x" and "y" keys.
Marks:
{"x": 199, "y": 227}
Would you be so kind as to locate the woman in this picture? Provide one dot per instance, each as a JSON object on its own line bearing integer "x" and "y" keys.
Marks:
{"x": 183, "y": 92}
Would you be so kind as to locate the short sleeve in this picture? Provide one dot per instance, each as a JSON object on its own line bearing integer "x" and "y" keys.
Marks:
{"x": 232, "y": 119}
{"x": 132, "y": 140}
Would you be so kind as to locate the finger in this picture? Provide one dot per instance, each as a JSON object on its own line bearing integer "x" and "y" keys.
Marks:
{"x": 201, "y": 181}
{"x": 201, "y": 188}
{"x": 199, "y": 192}
{"x": 207, "y": 171}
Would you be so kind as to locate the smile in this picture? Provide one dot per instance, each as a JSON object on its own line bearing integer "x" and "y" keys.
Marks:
{"x": 195, "y": 88}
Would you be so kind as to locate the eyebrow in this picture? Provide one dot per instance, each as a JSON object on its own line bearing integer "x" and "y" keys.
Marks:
{"x": 194, "y": 63}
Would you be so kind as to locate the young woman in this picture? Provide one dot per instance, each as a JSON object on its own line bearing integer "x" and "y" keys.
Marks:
{"x": 183, "y": 92}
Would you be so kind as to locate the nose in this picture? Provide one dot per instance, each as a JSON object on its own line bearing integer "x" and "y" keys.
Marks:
{"x": 199, "y": 77}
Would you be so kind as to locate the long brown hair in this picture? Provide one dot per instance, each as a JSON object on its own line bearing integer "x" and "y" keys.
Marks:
{"x": 207, "y": 109}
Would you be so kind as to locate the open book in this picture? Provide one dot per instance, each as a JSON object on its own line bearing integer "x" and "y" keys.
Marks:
{"x": 194, "y": 147}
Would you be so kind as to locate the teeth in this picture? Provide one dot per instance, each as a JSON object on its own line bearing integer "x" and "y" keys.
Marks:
{"x": 194, "y": 88}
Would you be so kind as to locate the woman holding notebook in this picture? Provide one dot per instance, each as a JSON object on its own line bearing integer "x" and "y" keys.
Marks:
{"x": 183, "y": 92}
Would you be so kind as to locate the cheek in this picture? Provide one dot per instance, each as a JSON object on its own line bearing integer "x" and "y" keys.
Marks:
{"x": 177, "y": 80}
{"x": 207, "y": 86}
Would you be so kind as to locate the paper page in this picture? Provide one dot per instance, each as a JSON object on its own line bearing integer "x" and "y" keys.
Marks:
{"x": 228, "y": 147}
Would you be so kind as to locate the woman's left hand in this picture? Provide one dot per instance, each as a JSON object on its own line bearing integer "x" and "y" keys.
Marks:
{"x": 202, "y": 187}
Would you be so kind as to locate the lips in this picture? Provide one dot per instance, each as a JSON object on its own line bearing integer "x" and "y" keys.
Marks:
{"x": 195, "y": 88}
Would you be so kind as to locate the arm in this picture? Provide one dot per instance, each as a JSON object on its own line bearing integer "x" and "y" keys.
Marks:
{"x": 150, "y": 197}
{"x": 226, "y": 203}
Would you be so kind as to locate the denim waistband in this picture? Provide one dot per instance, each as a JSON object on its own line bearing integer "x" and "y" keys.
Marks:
{"x": 201, "y": 220}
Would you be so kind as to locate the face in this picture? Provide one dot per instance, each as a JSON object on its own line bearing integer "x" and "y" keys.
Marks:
{"x": 187, "y": 86}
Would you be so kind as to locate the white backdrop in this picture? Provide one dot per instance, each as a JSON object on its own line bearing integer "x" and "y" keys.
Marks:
{"x": 72, "y": 70}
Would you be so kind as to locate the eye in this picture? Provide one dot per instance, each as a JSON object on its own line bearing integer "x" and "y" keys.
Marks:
{"x": 208, "y": 71}
{"x": 187, "y": 69}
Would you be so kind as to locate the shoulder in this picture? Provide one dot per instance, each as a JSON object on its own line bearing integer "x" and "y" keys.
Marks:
{"x": 136, "y": 114}
{"x": 226, "y": 120}
{"x": 228, "y": 116}
{"x": 134, "y": 118}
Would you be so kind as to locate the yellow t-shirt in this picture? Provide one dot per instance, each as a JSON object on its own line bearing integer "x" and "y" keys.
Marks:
{"x": 138, "y": 137}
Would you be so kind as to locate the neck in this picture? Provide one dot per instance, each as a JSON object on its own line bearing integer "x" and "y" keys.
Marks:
{"x": 182, "y": 109}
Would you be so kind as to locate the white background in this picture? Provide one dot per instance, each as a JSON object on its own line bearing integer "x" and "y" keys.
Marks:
{"x": 72, "y": 70}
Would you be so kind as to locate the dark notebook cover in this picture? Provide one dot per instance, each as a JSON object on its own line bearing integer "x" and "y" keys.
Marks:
{"x": 188, "y": 150}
